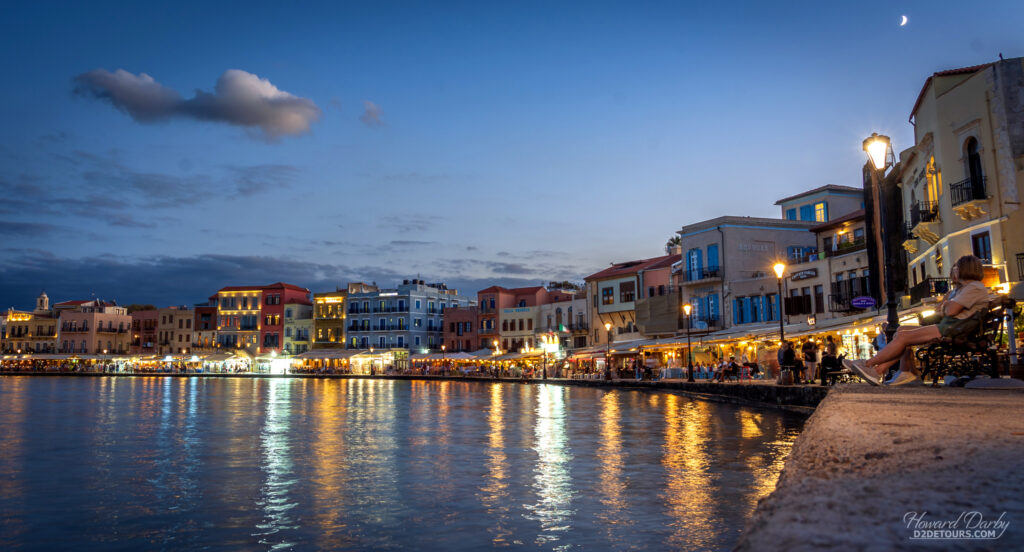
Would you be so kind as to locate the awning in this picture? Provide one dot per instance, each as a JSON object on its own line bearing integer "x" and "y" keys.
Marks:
{"x": 325, "y": 354}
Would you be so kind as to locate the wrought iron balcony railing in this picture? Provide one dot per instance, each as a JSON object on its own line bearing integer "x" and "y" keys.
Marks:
{"x": 966, "y": 190}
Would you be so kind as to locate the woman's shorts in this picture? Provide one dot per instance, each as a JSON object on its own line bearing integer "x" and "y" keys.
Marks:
{"x": 953, "y": 327}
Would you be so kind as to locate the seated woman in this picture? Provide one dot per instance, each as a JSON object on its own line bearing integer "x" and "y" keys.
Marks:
{"x": 969, "y": 298}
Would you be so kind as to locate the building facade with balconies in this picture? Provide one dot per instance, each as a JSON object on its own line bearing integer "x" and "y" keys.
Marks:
{"x": 95, "y": 327}
{"x": 174, "y": 331}
{"x": 512, "y": 315}
{"x": 298, "y": 326}
{"x": 30, "y": 332}
{"x": 252, "y": 317}
{"x": 613, "y": 294}
{"x": 963, "y": 180}
{"x": 822, "y": 283}
{"x": 329, "y": 315}
{"x": 204, "y": 329}
{"x": 726, "y": 271}
{"x": 407, "y": 317}
{"x": 144, "y": 333}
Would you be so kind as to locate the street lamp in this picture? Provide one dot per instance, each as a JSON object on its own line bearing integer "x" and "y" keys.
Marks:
{"x": 608, "y": 351}
{"x": 879, "y": 150}
{"x": 371, "y": 360}
{"x": 443, "y": 347}
{"x": 779, "y": 269}
{"x": 689, "y": 350}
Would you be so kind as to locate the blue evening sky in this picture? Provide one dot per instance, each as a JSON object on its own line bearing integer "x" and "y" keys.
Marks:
{"x": 515, "y": 142}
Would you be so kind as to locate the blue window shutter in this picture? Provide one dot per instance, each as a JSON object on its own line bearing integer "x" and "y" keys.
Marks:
{"x": 700, "y": 259}
{"x": 791, "y": 214}
{"x": 807, "y": 212}
{"x": 826, "y": 211}
{"x": 764, "y": 308}
{"x": 735, "y": 311}
{"x": 689, "y": 261}
{"x": 713, "y": 256}
{"x": 713, "y": 300}
{"x": 747, "y": 315}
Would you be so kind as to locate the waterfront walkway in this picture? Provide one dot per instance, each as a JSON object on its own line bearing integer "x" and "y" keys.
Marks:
{"x": 868, "y": 457}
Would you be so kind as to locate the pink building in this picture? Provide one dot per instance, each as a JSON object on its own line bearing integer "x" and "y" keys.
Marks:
{"x": 94, "y": 327}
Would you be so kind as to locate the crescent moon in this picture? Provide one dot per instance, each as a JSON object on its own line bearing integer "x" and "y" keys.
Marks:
{"x": 904, "y": 22}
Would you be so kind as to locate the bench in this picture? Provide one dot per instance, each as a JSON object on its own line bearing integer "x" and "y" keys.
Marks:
{"x": 972, "y": 353}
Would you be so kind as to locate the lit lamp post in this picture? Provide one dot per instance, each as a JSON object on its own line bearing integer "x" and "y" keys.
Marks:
{"x": 443, "y": 359}
{"x": 371, "y": 360}
{"x": 689, "y": 350}
{"x": 879, "y": 150}
{"x": 779, "y": 269}
{"x": 608, "y": 351}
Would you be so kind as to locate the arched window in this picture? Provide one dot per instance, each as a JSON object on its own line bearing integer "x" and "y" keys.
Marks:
{"x": 504, "y": 325}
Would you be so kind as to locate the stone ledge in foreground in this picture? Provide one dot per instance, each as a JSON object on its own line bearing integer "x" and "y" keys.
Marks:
{"x": 868, "y": 456}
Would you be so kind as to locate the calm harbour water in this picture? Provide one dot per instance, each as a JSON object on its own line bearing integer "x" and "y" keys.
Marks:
{"x": 118, "y": 463}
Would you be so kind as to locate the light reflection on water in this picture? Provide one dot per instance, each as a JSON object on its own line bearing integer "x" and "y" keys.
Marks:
{"x": 267, "y": 464}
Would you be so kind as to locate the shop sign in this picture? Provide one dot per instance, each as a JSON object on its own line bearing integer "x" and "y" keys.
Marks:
{"x": 863, "y": 302}
{"x": 805, "y": 274}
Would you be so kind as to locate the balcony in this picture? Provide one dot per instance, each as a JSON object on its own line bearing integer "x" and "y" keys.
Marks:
{"x": 843, "y": 293}
{"x": 488, "y": 331}
{"x": 967, "y": 197}
{"x": 703, "y": 274}
{"x": 842, "y": 248}
{"x": 969, "y": 189}
{"x": 922, "y": 216}
{"x": 930, "y": 287}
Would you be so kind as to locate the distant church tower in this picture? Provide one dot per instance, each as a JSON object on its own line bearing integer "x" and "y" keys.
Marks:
{"x": 42, "y": 303}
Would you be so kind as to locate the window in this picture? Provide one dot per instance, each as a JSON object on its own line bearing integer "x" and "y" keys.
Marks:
{"x": 520, "y": 324}
{"x": 819, "y": 298}
{"x": 417, "y": 341}
{"x": 807, "y": 212}
{"x": 418, "y": 304}
{"x": 791, "y": 214}
{"x": 713, "y": 256}
{"x": 504, "y": 325}
{"x": 529, "y": 324}
{"x": 821, "y": 212}
{"x": 982, "y": 246}
{"x": 287, "y": 313}
{"x": 607, "y": 296}
{"x": 627, "y": 292}
{"x": 858, "y": 234}
{"x": 650, "y": 291}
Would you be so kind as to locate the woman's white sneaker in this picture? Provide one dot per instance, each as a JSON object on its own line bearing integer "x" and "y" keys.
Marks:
{"x": 858, "y": 367}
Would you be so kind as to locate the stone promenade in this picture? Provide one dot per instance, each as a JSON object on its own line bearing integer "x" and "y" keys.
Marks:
{"x": 870, "y": 461}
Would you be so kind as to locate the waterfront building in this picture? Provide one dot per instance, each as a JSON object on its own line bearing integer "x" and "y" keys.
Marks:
{"x": 460, "y": 329}
{"x": 298, "y": 326}
{"x": 614, "y": 291}
{"x": 822, "y": 204}
{"x": 30, "y": 332}
{"x": 329, "y": 315}
{"x": 252, "y": 317}
{"x": 94, "y": 327}
{"x": 822, "y": 283}
{"x": 144, "y": 332}
{"x": 962, "y": 181}
{"x": 407, "y": 317}
{"x": 511, "y": 315}
{"x": 204, "y": 328}
{"x": 174, "y": 330}
{"x": 565, "y": 320}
